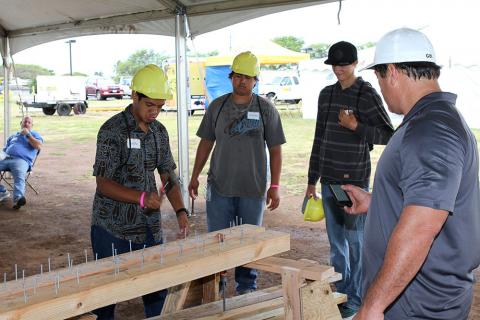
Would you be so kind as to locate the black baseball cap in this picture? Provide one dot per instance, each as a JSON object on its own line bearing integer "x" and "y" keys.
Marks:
{"x": 341, "y": 54}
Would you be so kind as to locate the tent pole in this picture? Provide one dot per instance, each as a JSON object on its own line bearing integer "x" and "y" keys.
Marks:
{"x": 6, "y": 88}
{"x": 183, "y": 95}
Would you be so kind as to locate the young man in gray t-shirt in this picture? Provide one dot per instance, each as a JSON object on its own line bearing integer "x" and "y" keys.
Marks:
{"x": 241, "y": 125}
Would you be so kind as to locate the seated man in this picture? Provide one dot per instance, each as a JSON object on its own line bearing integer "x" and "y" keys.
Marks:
{"x": 20, "y": 151}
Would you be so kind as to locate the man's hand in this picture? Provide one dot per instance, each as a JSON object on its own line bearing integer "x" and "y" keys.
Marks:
{"x": 193, "y": 188}
{"x": 183, "y": 226}
{"x": 347, "y": 119}
{"x": 311, "y": 191}
{"x": 273, "y": 198}
{"x": 360, "y": 199}
{"x": 25, "y": 131}
{"x": 152, "y": 200}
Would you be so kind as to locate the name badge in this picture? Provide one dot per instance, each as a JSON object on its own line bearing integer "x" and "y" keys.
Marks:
{"x": 133, "y": 144}
{"x": 253, "y": 115}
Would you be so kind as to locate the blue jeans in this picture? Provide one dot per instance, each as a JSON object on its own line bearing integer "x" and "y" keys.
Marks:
{"x": 222, "y": 211}
{"x": 18, "y": 167}
{"x": 345, "y": 234}
{"x": 102, "y": 245}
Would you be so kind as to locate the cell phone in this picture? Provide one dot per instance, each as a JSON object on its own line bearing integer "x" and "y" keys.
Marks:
{"x": 341, "y": 197}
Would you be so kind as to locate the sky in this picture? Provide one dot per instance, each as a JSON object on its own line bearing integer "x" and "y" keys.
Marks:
{"x": 450, "y": 25}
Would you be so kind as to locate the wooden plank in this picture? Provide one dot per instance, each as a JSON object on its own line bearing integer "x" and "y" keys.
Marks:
{"x": 184, "y": 262}
{"x": 318, "y": 302}
{"x": 339, "y": 298}
{"x": 236, "y": 302}
{"x": 257, "y": 311}
{"x": 176, "y": 298}
{"x": 210, "y": 288}
{"x": 309, "y": 270}
{"x": 291, "y": 281}
{"x": 102, "y": 266}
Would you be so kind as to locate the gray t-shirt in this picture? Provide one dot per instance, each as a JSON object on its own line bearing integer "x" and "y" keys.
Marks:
{"x": 238, "y": 167}
{"x": 430, "y": 161}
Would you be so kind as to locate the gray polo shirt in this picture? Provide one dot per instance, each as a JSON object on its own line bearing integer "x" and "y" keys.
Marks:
{"x": 238, "y": 167}
{"x": 430, "y": 161}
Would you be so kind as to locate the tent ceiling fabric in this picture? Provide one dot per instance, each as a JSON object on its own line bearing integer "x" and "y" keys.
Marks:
{"x": 31, "y": 22}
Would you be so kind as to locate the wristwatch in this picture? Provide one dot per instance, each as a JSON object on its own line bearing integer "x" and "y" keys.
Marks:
{"x": 28, "y": 135}
{"x": 182, "y": 210}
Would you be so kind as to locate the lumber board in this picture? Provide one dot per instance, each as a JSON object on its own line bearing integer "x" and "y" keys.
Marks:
{"x": 318, "y": 302}
{"x": 176, "y": 297}
{"x": 339, "y": 298}
{"x": 137, "y": 273}
{"x": 291, "y": 282}
{"x": 210, "y": 288}
{"x": 308, "y": 270}
{"x": 130, "y": 259}
{"x": 257, "y": 311}
{"x": 215, "y": 308}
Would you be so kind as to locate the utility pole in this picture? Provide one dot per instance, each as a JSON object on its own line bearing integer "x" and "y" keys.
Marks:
{"x": 70, "y": 51}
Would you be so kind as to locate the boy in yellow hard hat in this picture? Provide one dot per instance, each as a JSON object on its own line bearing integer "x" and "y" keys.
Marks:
{"x": 126, "y": 209}
{"x": 239, "y": 125}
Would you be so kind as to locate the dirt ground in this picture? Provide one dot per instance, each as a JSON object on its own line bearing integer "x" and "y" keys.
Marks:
{"x": 57, "y": 222}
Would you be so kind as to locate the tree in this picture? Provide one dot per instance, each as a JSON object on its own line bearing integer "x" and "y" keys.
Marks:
{"x": 31, "y": 71}
{"x": 192, "y": 54}
{"x": 290, "y": 42}
{"x": 136, "y": 61}
{"x": 76, "y": 73}
{"x": 366, "y": 45}
{"x": 318, "y": 50}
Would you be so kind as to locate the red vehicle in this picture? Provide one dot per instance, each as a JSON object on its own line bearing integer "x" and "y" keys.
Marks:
{"x": 102, "y": 88}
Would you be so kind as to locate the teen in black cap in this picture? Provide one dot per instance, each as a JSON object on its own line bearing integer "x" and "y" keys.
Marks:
{"x": 341, "y": 54}
{"x": 350, "y": 119}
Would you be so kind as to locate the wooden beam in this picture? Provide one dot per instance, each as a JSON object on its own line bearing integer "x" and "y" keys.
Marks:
{"x": 291, "y": 281}
{"x": 216, "y": 308}
{"x": 163, "y": 266}
{"x": 176, "y": 298}
{"x": 210, "y": 288}
{"x": 261, "y": 310}
{"x": 202, "y": 244}
{"x": 318, "y": 302}
{"x": 308, "y": 270}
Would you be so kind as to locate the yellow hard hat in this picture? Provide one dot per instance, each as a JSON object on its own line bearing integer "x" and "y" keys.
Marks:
{"x": 152, "y": 82}
{"x": 314, "y": 210}
{"x": 246, "y": 63}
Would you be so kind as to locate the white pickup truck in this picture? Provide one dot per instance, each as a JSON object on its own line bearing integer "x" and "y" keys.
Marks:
{"x": 281, "y": 87}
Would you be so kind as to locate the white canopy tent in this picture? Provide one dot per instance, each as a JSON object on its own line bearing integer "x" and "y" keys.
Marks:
{"x": 27, "y": 23}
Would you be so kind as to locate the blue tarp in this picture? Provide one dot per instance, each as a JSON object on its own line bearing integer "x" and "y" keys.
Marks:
{"x": 218, "y": 83}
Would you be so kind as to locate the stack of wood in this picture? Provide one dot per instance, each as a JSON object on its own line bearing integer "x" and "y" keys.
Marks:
{"x": 305, "y": 293}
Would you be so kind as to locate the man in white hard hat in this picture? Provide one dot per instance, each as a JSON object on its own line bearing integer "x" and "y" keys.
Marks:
{"x": 350, "y": 119}
{"x": 240, "y": 124}
{"x": 423, "y": 222}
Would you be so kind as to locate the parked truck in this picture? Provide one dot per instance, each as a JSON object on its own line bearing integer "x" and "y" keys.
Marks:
{"x": 60, "y": 94}
{"x": 281, "y": 86}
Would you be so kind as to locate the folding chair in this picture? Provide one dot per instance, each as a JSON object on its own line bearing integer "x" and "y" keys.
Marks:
{"x": 4, "y": 178}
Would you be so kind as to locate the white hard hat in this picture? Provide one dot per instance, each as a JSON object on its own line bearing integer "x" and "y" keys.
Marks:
{"x": 403, "y": 45}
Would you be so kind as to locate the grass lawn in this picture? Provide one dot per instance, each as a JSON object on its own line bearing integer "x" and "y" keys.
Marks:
{"x": 83, "y": 129}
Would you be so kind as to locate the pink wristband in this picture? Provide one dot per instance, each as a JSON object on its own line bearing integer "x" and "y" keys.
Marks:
{"x": 275, "y": 186}
{"x": 142, "y": 198}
